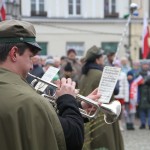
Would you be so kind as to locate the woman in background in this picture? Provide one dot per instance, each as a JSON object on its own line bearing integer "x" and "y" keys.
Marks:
{"x": 98, "y": 134}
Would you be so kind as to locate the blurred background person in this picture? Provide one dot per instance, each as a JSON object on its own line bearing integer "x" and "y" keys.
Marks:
{"x": 109, "y": 58}
{"x": 68, "y": 70}
{"x": 144, "y": 89}
{"x": 125, "y": 65}
{"x": 56, "y": 62}
{"x": 130, "y": 106}
{"x": 123, "y": 95}
{"x": 49, "y": 62}
{"x": 98, "y": 134}
{"x": 42, "y": 61}
{"x": 76, "y": 65}
{"x": 136, "y": 68}
{"x": 37, "y": 69}
{"x": 62, "y": 60}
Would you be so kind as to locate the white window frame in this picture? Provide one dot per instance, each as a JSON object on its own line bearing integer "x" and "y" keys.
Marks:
{"x": 37, "y": 4}
{"x": 75, "y": 8}
{"x": 111, "y": 5}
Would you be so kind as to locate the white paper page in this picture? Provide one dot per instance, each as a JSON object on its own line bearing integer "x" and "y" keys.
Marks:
{"x": 48, "y": 76}
{"x": 108, "y": 82}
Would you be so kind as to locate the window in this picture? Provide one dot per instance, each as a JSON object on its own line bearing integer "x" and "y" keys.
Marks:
{"x": 106, "y": 7}
{"x": 41, "y": 5}
{"x": 110, "y": 9}
{"x": 74, "y": 7}
{"x": 33, "y": 5}
{"x": 13, "y": 9}
{"x": 109, "y": 46}
{"x": 77, "y": 46}
{"x": 37, "y": 8}
{"x": 113, "y": 6}
{"x": 44, "y": 48}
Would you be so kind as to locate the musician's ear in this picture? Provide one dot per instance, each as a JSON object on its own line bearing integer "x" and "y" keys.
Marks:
{"x": 13, "y": 53}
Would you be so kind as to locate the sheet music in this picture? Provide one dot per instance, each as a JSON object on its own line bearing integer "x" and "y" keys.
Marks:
{"x": 108, "y": 82}
{"x": 48, "y": 76}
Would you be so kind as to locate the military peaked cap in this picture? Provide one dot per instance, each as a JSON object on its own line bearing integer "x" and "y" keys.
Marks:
{"x": 16, "y": 31}
{"x": 93, "y": 52}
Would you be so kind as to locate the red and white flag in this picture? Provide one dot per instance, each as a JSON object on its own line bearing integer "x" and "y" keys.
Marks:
{"x": 2, "y": 10}
{"x": 134, "y": 86}
{"x": 145, "y": 36}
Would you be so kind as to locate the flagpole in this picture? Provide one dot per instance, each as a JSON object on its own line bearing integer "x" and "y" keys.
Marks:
{"x": 122, "y": 38}
{"x": 133, "y": 8}
{"x": 129, "y": 40}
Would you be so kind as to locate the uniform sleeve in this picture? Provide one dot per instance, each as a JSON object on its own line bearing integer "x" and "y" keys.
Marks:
{"x": 71, "y": 121}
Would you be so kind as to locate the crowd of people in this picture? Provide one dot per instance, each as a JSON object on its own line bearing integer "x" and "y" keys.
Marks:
{"x": 131, "y": 85}
{"x": 134, "y": 93}
{"x": 29, "y": 121}
{"x": 133, "y": 82}
{"x": 132, "y": 89}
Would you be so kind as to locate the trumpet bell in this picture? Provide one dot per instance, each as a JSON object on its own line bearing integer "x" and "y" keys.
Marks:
{"x": 111, "y": 111}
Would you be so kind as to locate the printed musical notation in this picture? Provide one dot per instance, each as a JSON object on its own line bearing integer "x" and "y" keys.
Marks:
{"x": 48, "y": 76}
{"x": 108, "y": 82}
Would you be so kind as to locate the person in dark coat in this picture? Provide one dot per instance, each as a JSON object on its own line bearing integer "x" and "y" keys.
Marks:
{"x": 98, "y": 134}
{"x": 144, "y": 100}
{"x": 68, "y": 70}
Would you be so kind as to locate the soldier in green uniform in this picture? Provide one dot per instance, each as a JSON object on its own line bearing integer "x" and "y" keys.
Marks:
{"x": 27, "y": 120}
{"x": 98, "y": 134}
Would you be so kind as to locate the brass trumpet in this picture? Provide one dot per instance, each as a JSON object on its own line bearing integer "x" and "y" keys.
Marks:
{"x": 111, "y": 111}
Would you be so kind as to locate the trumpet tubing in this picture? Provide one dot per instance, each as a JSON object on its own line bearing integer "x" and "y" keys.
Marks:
{"x": 111, "y": 111}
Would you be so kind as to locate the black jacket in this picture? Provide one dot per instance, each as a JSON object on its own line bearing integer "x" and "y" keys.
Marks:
{"x": 71, "y": 121}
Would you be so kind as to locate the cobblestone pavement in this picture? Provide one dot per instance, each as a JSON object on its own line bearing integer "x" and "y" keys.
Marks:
{"x": 137, "y": 139}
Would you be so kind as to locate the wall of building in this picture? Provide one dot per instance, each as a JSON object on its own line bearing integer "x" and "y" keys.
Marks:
{"x": 89, "y": 34}
{"x": 58, "y": 33}
{"x": 90, "y": 8}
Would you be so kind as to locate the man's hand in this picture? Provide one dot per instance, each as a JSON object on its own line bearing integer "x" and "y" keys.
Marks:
{"x": 95, "y": 95}
{"x": 65, "y": 86}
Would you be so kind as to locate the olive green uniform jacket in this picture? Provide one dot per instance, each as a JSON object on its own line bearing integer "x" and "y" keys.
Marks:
{"x": 27, "y": 120}
{"x": 98, "y": 134}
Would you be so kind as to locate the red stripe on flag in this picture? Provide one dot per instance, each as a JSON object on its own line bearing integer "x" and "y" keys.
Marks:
{"x": 145, "y": 46}
{"x": 139, "y": 80}
{"x": 3, "y": 13}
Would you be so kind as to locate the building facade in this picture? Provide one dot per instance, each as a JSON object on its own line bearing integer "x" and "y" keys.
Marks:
{"x": 80, "y": 24}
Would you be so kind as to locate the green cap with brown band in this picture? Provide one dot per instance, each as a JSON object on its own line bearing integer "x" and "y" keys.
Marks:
{"x": 16, "y": 31}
